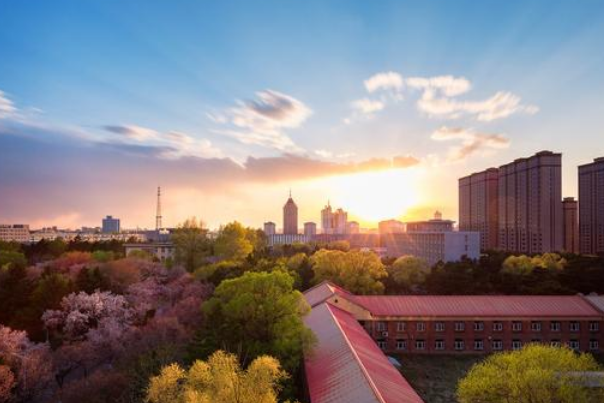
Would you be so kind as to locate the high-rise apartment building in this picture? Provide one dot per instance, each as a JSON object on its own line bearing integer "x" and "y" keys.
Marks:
{"x": 111, "y": 225}
{"x": 340, "y": 220}
{"x": 478, "y": 206}
{"x": 530, "y": 204}
{"x": 270, "y": 228}
{"x": 353, "y": 227}
{"x": 327, "y": 219}
{"x": 310, "y": 229}
{"x": 391, "y": 227}
{"x": 570, "y": 225}
{"x": 333, "y": 222}
{"x": 591, "y": 207}
{"x": 290, "y": 217}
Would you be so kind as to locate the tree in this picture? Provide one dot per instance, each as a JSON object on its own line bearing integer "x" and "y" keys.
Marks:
{"x": 357, "y": 271}
{"x": 234, "y": 241}
{"x": 518, "y": 265}
{"x": 537, "y": 373}
{"x": 191, "y": 244}
{"x": 9, "y": 259}
{"x": 7, "y": 383}
{"x": 409, "y": 272}
{"x": 220, "y": 379}
{"x": 257, "y": 314}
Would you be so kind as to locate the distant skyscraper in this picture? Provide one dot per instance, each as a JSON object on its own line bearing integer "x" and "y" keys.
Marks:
{"x": 310, "y": 229}
{"x": 591, "y": 207}
{"x": 327, "y": 219}
{"x": 391, "y": 227}
{"x": 353, "y": 227}
{"x": 530, "y": 204}
{"x": 333, "y": 222}
{"x": 290, "y": 217}
{"x": 270, "y": 228}
{"x": 111, "y": 225}
{"x": 478, "y": 206}
{"x": 571, "y": 225}
{"x": 340, "y": 219}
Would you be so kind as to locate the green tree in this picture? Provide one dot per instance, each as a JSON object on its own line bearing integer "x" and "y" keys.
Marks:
{"x": 234, "y": 241}
{"x": 257, "y": 314}
{"x": 537, "y": 373}
{"x": 191, "y": 244}
{"x": 220, "y": 379}
{"x": 409, "y": 272}
{"x": 519, "y": 265}
{"x": 359, "y": 272}
{"x": 103, "y": 256}
{"x": 11, "y": 258}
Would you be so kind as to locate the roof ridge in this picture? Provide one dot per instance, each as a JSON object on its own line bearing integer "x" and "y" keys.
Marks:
{"x": 374, "y": 388}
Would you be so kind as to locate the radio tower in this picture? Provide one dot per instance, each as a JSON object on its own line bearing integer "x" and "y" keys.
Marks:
{"x": 158, "y": 213}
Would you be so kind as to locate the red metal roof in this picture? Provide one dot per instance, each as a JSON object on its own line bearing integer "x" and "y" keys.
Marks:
{"x": 477, "y": 306}
{"x": 322, "y": 291}
{"x": 346, "y": 366}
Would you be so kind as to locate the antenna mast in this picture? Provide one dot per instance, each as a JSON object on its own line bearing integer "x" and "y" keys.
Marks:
{"x": 158, "y": 213}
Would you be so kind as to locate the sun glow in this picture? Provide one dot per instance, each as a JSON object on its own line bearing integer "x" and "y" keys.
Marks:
{"x": 371, "y": 197}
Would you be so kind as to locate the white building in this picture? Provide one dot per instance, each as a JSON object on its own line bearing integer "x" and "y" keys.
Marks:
{"x": 14, "y": 232}
{"x": 160, "y": 250}
{"x": 287, "y": 239}
{"x": 270, "y": 228}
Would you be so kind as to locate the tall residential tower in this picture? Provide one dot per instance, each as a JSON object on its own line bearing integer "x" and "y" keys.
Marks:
{"x": 478, "y": 206}
{"x": 591, "y": 207}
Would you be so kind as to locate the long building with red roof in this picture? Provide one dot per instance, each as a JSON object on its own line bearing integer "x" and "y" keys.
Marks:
{"x": 355, "y": 332}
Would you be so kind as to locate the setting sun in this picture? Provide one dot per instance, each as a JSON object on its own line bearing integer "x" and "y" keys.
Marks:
{"x": 374, "y": 196}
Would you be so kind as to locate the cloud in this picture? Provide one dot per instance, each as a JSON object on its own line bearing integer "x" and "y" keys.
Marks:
{"x": 7, "y": 108}
{"x": 262, "y": 121}
{"x": 438, "y": 99}
{"x": 133, "y": 132}
{"x": 384, "y": 81}
{"x": 324, "y": 153}
{"x": 470, "y": 141}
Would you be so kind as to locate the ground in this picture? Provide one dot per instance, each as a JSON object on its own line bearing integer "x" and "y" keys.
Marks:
{"x": 435, "y": 377}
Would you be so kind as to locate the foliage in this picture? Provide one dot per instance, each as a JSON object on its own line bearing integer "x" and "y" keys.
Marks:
{"x": 410, "y": 272}
{"x": 103, "y": 256}
{"x": 9, "y": 259}
{"x": 537, "y": 373}
{"x": 257, "y": 314}
{"x": 220, "y": 379}
{"x": 191, "y": 244}
{"x": 234, "y": 241}
{"x": 357, "y": 271}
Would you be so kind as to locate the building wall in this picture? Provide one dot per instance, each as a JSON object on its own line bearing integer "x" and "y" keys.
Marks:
{"x": 270, "y": 228}
{"x": 479, "y": 204}
{"x": 111, "y": 225}
{"x": 571, "y": 225}
{"x": 15, "y": 232}
{"x": 591, "y": 207}
{"x": 290, "y": 217}
{"x": 287, "y": 239}
{"x": 310, "y": 229}
{"x": 410, "y": 332}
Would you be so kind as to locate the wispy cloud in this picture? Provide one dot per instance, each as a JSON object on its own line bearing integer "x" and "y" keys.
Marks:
{"x": 133, "y": 132}
{"x": 384, "y": 81}
{"x": 7, "y": 107}
{"x": 470, "y": 142}
{"x": 264, "y": 120}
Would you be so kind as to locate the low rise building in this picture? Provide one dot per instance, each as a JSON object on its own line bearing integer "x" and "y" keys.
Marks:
{"x": 14, "y": 233}
{"x": 310, "y": 229}
{"x": 270, "y": 228}
{"x": 287, "y": 239}
{"x": 160, "y": 250}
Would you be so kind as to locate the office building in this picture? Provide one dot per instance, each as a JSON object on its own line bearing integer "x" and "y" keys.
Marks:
{"x": 570, "y": 224}
{"x": 353, "y": 227}
{"x": 111, "y": 225}
{"x": 287, "y": 239}
{"x": 391, "y": 227}
{"x": 15, "y": 233}
{"x": 159, "y": 250}
{"x": 437, "y": 224}
{"x": 333, "y": 222}
{"x": 310, "y": 229}
{"x": 591, "y": 207}
{"x": 270, "y": 228}
{"x": 530, "y": 204}
{"x": 290, "y": 217}
{"x": 478, "y": 206}
{"x": 327, "y": 219}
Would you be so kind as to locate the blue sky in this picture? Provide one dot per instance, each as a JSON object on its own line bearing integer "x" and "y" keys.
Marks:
{"x": 116, "y": 96}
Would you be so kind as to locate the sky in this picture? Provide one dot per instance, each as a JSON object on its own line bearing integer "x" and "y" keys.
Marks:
{"x": 375, "y": 106}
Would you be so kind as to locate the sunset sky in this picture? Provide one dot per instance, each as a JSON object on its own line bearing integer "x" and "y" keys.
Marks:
{"x": 378, "y": 106}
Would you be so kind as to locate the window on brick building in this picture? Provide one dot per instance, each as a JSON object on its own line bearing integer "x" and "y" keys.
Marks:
{"x": 574, "y": 344}
{"x": 497, "y": 345}
{"x": 401, "y": 344}
{"x": 594, "y": 326}
{"x": 439, "y": 344}
{"x": 420, "y": 345}
{"x": 594, "y": 345}
{"x": 517, "y": 326}
{"x": 400, "y": 326}
{"x": 381, "y": 344}
{"x": 555, "y": 343}
{"x": 460, "y": 326}
{"x": 536, "y": 326}
{"x": 478, "y": 326}
{"x": 497, "y": 326}
{"x": 439, "y": 326}
{"x": 459, "y": 345}
{"x": 554, "y": 326}
{"x": 516, "y": 344}
{"x": 478, "y": 345}
{"x": 381, "y": 326}
{"x": 420, "y": 326}
{"x": 574, "y": 326}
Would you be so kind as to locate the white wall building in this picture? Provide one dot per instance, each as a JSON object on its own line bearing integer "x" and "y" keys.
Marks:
{"x": 14, "y": 232}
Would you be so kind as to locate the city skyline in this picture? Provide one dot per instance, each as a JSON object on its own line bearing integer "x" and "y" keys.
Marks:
{"x": 227, "y": 107}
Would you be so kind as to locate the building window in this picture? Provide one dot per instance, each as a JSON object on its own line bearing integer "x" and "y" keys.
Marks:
{"x": 381, "y": 326}
{"x": 381, "y": 344}
{"x": 555, "y": 343}
{"x": 594, "y": 345}
{"x": 478, "y": 326}
{"x": 439, "y": 344}
{"x": 420, "y": 344}
{"x": 497, "y": 326}
{"x": 420, "y": 326}
{"x": 554, "y": 326}
{"x": 459, "y": 345}
{"x": 497, "y": 345}
{"x": 401, "y": 344}
{"x": 516, "y": 344}
{"x": 439, "y": 326}
{"x": 594, "y": 326}
{"x": 517, "y": 326}
{"x": 574, "y": 344}
{"x": 400, "y": 326}
{"x": 575, "y": 326}
{"x": 460, "y": 326}
{"x": 536, "y": 326}
{"x": 478, "y": 345}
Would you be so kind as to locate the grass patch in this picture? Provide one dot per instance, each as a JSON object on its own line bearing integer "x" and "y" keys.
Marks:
{"x": 435, "y": 377}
